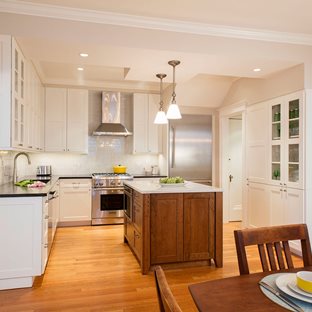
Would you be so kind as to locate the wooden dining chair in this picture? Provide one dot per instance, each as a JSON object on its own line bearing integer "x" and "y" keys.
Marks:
{"x": 273, "y": 246}
{"x": 167, "y": 302}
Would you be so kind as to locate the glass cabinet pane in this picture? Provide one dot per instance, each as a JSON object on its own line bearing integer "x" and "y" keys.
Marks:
{"x": 276, "y": 113}
{"x": 293, "y": 153}
{"x": 294, "y": 128}
{"x": 293, "y": 172}
{"x": 16, "y": 60}
{"x": 276, "y": 153}
{"x": 276, "y": 171}
{"x": 293, "y": 109}
{"x": 276, "y": 131}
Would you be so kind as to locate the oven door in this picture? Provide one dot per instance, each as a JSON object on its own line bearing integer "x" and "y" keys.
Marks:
{"x": 107, "y": 206}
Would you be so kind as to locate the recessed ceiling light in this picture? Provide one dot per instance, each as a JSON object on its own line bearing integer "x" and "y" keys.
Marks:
{"x": 257, "y": 69}
{"x": 80, "y": 68}
{"x": 84, "y": 54}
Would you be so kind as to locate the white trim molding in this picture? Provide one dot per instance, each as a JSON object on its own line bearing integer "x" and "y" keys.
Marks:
{"x": 117, "y": 19}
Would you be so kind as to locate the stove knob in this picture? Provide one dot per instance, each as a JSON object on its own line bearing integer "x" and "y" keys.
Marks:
{"x": 112, "y": 183}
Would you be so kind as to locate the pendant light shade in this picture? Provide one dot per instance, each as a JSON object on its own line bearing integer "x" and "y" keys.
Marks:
{"x": 173, "y": 110}
{"x": 161, "y": 116}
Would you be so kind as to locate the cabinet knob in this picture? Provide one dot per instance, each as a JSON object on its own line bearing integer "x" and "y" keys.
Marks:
{"x": 285, "y": 190}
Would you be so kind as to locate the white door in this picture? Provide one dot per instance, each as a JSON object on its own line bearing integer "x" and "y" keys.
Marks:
{"x": 235, "y": 169}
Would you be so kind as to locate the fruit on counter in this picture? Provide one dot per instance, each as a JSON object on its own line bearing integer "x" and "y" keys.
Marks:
{"x": 24, "y": 182}
{"x": 171, "y": 180}
{"x": 36, "y": 184}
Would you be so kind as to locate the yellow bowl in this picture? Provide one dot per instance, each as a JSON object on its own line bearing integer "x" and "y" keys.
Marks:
{"x": 304, "y": 280}
{"x": 119, "y": 169}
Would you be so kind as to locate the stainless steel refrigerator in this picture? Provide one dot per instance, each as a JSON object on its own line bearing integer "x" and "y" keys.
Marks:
{"x": 190, "y": 148}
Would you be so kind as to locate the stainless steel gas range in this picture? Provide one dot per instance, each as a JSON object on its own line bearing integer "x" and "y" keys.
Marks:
{"x": 108, "y": 198}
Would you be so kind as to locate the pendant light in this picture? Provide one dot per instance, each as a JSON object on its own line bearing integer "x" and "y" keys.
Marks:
{"x": 161, "y": 116}
{"x": 173, "y": 110}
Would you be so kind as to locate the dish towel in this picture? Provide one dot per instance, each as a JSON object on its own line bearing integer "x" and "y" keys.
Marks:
{"x": 270, "y": 279}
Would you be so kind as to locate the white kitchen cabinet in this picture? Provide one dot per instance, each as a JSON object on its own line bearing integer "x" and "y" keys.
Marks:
{"x": 23, "y": 245}
{"x": 257, "y": 142}
{"x": 146, "y": 135}
{"x": 34, "y": 135}
{"x": 258, "y": 208}
{"x": 16, "y": 114}
{"x": 75, "y": 201}
{"x": 274, "y": 157}
{"x": 66, "y": 120}
{"x": 286, "y": 141}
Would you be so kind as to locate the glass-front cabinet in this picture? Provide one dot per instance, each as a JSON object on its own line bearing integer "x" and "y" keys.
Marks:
{"x": 18, "y": 97}
{"x": 286, "y": 140}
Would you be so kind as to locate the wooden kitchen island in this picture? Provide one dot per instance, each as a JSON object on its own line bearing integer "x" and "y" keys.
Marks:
{"x": 174, "y": 224}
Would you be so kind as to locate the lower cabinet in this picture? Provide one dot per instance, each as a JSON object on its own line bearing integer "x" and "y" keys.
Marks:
{"x": 257, "y": 202}
{"x": 75, "y": 202}
{"x": 173, "y": 228}
{"x": 24, "y": 247}
{"x": 270, "y": 205}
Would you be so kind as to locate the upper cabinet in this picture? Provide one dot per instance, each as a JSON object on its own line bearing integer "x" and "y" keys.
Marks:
{"x": 146, "y": 135}
{"x": 286, "y": 135}
{"x": 21, "y": 110}
{"x": 66, "y": 120}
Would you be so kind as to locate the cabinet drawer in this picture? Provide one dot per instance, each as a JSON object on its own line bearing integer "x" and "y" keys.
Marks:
{"x": 138, "y": 198}
{"x": 75, "y": 183}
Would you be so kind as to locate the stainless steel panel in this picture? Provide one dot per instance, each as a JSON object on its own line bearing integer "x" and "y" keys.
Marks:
{"x": 190, "y": 147}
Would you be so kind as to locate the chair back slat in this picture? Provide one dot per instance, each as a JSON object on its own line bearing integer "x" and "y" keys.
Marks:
{"x": 166, "y": 300}
{"x": 263, "y": 258}
{"x": 287, "y": 253}
{"x": 270, "y": 251}
{"x": 273, "y": 246}
{"x": 279, "y": 255}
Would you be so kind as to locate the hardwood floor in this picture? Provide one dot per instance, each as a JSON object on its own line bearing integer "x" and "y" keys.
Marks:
{"x": 91, "y": 269}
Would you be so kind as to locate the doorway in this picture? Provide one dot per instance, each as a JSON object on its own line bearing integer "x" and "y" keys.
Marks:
{"x": 232, "y": 169}
{"x": 235, "y": 163}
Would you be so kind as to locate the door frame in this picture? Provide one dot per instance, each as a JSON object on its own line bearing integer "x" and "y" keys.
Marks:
{"x": 225, "y": 114}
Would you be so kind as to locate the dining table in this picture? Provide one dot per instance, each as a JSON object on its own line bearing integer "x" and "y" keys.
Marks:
{"x": 237, "y": 293}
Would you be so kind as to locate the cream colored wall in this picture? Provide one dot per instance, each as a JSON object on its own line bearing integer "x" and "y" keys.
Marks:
{"x": 257, "y": 90}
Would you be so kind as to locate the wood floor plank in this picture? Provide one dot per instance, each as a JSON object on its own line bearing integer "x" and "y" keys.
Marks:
{"x": 91, "y": 269}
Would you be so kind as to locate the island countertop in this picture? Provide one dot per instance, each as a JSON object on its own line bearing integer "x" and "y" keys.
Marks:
{"x": 152, "y": 186}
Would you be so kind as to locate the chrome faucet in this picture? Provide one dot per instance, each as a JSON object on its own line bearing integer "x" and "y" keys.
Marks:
{"x": 14, "y": 166}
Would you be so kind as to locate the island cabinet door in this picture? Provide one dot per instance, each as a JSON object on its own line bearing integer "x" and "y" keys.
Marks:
{"x": 199, "y": 226}
{"x": 166, "y": 217}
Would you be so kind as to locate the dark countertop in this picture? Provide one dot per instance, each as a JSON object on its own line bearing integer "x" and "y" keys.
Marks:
{"x": 11, "y": 190}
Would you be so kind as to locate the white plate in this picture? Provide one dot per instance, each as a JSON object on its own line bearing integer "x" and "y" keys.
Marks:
{"x": 282, "y": 283}
{"x": 293, "y": 286}
{"x": 172, "y": 184}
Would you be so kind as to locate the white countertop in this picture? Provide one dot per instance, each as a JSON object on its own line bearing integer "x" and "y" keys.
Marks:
{"x": 152, "y": 186}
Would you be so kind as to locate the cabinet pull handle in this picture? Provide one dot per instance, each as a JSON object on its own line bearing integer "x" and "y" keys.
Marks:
{"x": 45, "y": 245}
{"x": 20, "y": 144}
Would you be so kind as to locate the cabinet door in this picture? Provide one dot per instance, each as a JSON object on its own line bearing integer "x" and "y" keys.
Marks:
{"x": 257, "y": 205}
{"x": 166, "y": 228}
{"x": 154, "y": 135}
{"x": 55, "y": 119}
{"x": 257, "y": 142}
{"x": 19, "y": 111}
{"x": 140, "y": 124}
{"x": 5, "y": 91}
{"x": 77, "y": 120}
{"x": 276, "y": 205}
{"x": 293, "y": 140}
{"x": 75, "y": 200}
{"x": 294, "y": 206}
{"x": 199, "y": 226}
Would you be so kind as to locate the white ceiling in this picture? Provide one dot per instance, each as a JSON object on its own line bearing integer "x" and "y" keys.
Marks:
{"x": 129, "y": 41}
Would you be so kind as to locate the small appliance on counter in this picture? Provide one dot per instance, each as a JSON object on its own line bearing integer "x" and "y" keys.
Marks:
{"x": 44, "y": 171}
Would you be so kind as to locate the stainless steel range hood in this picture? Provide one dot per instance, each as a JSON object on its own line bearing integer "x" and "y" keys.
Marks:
{"x": 111, "y": 116}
